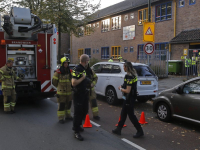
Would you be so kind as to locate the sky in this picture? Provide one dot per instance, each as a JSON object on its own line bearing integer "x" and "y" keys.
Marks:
{"x": 106, "y": 3}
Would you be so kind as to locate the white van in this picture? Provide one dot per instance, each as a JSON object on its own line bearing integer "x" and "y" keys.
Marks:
{"x": 111, "y": 76}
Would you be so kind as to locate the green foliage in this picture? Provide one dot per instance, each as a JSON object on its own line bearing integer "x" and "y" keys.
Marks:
{"x": 93, "y": 61}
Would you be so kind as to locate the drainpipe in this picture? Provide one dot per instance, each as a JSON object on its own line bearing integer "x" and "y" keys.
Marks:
{"x": 174, "y": 18}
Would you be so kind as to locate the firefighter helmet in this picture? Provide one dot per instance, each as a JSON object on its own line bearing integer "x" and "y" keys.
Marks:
{"x": 64, "y": 59}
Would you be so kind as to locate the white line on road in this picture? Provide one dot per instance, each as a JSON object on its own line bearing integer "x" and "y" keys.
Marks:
{"x": 133, "y": 144}
{"x": 95, "y": 123}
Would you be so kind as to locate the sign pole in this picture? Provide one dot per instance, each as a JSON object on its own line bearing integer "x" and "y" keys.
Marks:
{"x": 149, "y": 20}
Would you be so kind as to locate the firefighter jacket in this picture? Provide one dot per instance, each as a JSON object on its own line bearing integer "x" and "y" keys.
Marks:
{"x": 7, "y": 76}
{"x": 62, "y": 82}
{"x": 92, "y": 76}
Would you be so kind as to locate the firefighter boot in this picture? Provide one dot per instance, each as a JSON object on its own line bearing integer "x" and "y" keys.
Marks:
{"x": 78, "y": 136}
{"x": 139, "y": 133}
{"x": 117, "y": 131}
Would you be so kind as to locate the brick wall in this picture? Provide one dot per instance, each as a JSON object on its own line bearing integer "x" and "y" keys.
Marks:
{"x": 164, "y": 32}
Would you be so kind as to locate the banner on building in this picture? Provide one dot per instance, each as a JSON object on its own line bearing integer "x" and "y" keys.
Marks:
{"x": 129, "y": 32}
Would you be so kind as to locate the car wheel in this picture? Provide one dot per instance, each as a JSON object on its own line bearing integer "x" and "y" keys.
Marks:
{"x": 142, "y": 99}
{"x": 163, "y": 112}
{"x": 111, "y": 96}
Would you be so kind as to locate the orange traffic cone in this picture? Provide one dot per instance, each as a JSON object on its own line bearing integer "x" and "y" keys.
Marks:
{"x": 142, "y": 119}
{"x": 119, "y": 121}
{"x": 87, "y": 123}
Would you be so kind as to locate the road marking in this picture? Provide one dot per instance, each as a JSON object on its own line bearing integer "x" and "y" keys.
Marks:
{"x": 95, "y": 123}
{"x": 133, "y": 144}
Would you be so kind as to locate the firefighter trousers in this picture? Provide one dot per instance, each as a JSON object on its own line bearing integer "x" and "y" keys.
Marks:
{"x": 128, "y": 109}
{"x": 64, "y": 106}
{"x": 93, "y": 103}
{"x": 80, "y": 101}
{"x": 9, "y": 98}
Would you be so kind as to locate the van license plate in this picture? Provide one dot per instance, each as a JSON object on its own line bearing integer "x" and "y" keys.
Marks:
{"x": 145, "y": 82}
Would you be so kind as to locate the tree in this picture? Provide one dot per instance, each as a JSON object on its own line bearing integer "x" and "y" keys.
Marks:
{"x": 68, "y": 15}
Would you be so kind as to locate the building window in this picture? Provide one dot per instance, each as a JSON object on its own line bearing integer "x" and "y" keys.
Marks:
{"x": 125, "y": 49}
{"x": 131, "y": 49}
{"x": 140, "y": 52}
{"x": 181, "y": 3}
{"x": 93, "y": 25}
{"x": 80, "y": 52}
{"x": 132, "y": 16}
{"x": 164, "y": 12}
{"x": 88, "y": 29}
{"x": 125, "y": 17}
{"x": 192, "y": 2}
{"x": 97, "y": 25}
{"x": 88, "y": 52}
{"x": 93, "y": 51}
{"x": 143, "y": 16}
{"x": 105, "y": 53}
{"x": 160, "y": 50}
{"x": 116, "y": 23}
{"x": 81, "y": 31}
{"x": 105, "y": 25}
{"x": 116, "y": 52}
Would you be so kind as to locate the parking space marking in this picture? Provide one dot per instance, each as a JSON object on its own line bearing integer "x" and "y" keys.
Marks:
{"x": 133, "y": 144}
{"x": 95, "y": 123}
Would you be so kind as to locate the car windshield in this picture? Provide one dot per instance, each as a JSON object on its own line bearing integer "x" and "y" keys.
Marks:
{"x": 144, "y": 71}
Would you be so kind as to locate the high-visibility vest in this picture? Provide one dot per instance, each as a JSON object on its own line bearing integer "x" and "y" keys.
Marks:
{"x": 110, "y": 60}
{"x": 194, "y": 60}
{"x": 187, "y": 62}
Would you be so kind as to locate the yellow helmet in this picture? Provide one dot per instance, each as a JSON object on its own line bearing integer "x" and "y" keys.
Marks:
{"x": 119, "y": 57}
{"x": 199, "y": 53}
{"x": 11, "y": 59}
{"x": 64, "y": 59}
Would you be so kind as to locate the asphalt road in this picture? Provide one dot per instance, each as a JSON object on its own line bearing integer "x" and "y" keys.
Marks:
{"x": 35, "y": 127}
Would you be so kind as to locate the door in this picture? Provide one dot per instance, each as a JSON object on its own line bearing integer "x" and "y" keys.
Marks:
{"x": 187, "y": 104}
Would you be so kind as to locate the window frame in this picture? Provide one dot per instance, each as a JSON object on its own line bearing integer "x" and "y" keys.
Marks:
{"x": 179, "y": 3}
{"x": 79, "y": 52}
{"x": 125, "y": 49}
{"x": 192, "y": 3}
{"x": 88, "y": 49}
{"x": 119, "y": 26}
{"x": 88, "y": 29}
{"x": 130, "y": 49}
{"x": 138, "y": 52}
{"x": 166, "y": 15}
{"x": 103, "y": 29}
{"x": 160, "y": 49}
{"x": 106, "y": 49}
{"x": 118, "y": 52}
{"x": 143, "y": 20}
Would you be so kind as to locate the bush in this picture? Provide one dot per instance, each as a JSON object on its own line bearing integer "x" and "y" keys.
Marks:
{"x": 93, "y": 61}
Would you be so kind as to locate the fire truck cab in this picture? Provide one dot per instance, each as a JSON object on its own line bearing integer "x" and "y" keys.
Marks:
{"x": 33, "y": 46}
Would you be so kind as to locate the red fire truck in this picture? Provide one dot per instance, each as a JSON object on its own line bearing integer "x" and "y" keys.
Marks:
{"x": 33, "y": 46}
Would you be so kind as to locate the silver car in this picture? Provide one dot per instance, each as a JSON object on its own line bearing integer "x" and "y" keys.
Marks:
{"x": 182, "y": 101}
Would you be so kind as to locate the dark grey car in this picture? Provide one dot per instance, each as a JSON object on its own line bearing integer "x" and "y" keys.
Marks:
{"x": 182, "y": 101}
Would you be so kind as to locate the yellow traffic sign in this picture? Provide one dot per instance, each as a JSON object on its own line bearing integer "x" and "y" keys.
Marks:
{"x": 148, "y": 31}
{"x": 183, "y": 57}
{"x": 185, "y": 52}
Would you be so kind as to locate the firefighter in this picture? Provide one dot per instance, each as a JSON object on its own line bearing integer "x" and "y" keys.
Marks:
{"x": 80, "y": 95}
{"x": 7, "y": 76}
{"x": 187, "y": 65}
{"x": 111, "y": 59}
{"x": 62, "y": 80}
{"x": 194, "y": 64}
{"x": 92, "y": 95}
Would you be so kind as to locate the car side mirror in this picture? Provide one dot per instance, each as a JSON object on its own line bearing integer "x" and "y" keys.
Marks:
{"x": 178, "y": 90}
